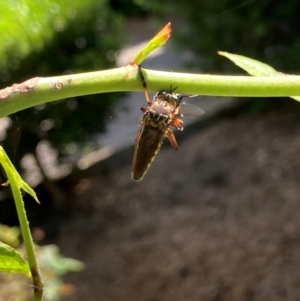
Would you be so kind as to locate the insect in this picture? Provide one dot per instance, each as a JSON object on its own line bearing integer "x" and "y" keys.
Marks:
{"x": 159, "y": 116}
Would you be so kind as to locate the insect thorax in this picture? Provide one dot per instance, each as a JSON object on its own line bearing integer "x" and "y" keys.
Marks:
{"x": 161, "y": 111}
{"x": 173, "y": 99}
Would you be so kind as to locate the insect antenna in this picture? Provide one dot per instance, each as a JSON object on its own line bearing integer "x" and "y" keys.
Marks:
{"x": 142, "y": 77}
{"x": 188, "y": 96}
{"x": 172, "y": 90}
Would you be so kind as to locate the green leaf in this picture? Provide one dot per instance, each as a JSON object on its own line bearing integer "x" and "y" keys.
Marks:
{"x": 254, "y": 67}
{"x": 157, "y": 41}
{"x": 12, "y": 262}
{"x": 296, "y": 98}
{"x": 51, "y": 259}
{"x": 10, "y": 169}
{"x": 27, "y": 188}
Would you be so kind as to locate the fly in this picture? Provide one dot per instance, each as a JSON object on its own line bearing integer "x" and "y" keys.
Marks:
{"x": 160, "y": 115}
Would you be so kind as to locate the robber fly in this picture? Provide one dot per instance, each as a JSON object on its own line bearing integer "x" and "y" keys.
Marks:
{"x": 161, "y": 113}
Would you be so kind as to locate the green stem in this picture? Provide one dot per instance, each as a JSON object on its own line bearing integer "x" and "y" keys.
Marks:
{"x": 34, "y": 268}
{"x": 41, "y": 90}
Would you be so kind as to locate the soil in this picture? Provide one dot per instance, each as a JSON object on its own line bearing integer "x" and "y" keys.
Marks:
{"x": 218, "y": 220}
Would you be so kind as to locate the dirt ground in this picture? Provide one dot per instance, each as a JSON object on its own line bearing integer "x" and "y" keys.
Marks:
{"x": 217, "y": 221}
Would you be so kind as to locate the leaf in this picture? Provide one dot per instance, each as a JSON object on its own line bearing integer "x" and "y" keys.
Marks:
{"x": 51, "y": 259}
{"x": 254, "y": 67}
{"x": 10, "y": 170}
{"x": 157, "y": 41}
{"x": 27, "y": 188}
{"x": 12, "y": 262}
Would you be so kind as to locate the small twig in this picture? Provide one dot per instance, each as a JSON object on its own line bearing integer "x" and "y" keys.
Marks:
{"x": 38, "y": 284}
{"x": 42, "y": 90}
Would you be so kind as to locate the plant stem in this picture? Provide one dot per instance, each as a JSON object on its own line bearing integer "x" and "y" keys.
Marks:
{"x": 42, "y": 90}
{"x": 38, "y": 283}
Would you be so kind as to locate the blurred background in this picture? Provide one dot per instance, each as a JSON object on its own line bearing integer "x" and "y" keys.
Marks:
{"x": 217, "y": 220}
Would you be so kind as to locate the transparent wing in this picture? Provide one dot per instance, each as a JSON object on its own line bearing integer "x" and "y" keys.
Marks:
{"x": 190, "y": 109}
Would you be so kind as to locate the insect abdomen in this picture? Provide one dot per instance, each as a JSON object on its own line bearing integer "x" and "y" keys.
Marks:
{"x": 148, "y": 144}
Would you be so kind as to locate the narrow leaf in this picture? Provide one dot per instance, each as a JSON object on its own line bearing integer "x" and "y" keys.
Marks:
{"x": 254, "y": 67}
{"x": 27, "y": 189}
{"x": 10, "y": 169}
{"x": 12, "y": 262}
{"x": 296, "y": 98}
{"x": 156, "y": 42}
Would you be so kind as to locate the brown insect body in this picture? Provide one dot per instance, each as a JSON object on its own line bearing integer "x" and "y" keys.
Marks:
{"x": 160, "y": 114}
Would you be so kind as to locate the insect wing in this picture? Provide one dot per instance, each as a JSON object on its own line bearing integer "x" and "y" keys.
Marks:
{"x": 147, "y": 145}
{"x": 190, "y": 109}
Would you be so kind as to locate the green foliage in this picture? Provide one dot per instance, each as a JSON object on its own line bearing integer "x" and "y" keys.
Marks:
{"x": 53, "y": 266}
{"x": 30, "y": 26}
{"x": 44, "y": 38}
{"x": 266, "y": 30}
{"x": 157, "y": 41}
{"x": 12, "y": 262}
{"x": 14, "y": 179}
{"x": 254, "y": 67}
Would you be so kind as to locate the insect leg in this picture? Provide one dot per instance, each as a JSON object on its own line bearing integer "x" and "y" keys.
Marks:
{"x": 172, "y": 139}
{"x": 144, "y": 83}
{"x": 177, "y": 123}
